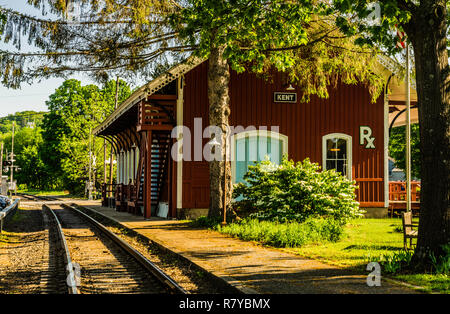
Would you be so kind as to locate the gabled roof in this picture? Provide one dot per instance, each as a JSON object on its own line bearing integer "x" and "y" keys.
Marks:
{"x": 149, "y": 89}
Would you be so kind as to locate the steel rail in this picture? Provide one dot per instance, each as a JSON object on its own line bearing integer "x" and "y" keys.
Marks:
{"x": 38, "y": 197}
{"x": 7, "y": 211}
{"x": 72, "y": 288}
{"x": 152, "y": 268}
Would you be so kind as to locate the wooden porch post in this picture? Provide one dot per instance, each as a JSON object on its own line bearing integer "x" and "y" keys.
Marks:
{"x": 148, "y": 177}
{"x": 172, "y": 183}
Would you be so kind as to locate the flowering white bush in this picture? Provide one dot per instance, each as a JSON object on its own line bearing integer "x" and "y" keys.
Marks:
{"x": 295, "y": 192}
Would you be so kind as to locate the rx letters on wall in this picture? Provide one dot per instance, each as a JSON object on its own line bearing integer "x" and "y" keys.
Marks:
{"x": 365, "y": 137}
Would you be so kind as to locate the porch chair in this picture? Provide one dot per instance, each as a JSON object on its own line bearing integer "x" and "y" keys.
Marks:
{"x": 408, "y": 231}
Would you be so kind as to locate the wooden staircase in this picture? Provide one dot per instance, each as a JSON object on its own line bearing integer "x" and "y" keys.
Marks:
{"x": 160, "y": 157}
{"x": 155, "y": 122}
{"x": 160, "y": 160}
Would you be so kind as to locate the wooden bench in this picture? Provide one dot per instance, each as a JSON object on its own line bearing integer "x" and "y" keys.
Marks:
{"x": 408, "y": 231}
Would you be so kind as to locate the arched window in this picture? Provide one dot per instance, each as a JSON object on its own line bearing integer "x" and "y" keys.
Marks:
{"x": 249, "y": 147}
{"x": 337, "y": 153}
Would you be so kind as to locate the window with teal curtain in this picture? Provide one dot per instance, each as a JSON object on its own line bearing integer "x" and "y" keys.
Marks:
{"x": 255, "y": 148}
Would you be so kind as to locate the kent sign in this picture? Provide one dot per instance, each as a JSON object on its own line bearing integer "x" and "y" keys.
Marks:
{"x": 285, "y": 97}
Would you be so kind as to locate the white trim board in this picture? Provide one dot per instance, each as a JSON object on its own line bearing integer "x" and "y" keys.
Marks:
{"x": 180, "y": 103}
{"x": 252, "y": 133}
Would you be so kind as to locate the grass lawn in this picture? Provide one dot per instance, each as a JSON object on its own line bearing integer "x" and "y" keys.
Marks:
{"x": 362, "y": 238}
{"x": 366, "y": 238}
{"x": 44, "y": 193}
{"x": 62, "y": 194}
{"x": 364, "y": 241}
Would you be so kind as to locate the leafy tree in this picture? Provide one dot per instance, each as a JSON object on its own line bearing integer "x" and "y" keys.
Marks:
{"x": 27, "y": 142}
{"x": 22, "y": 119}
{"x": 33, "y": 172}
{"x": 426, "y": 24}
{"x": 397, "y": 148}
{"x": 109, "y": 36}
{"x": 75, "y": 110}
{"x": 23, "y": 137}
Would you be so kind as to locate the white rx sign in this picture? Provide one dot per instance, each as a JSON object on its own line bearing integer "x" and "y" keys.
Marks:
{"x": 365, "y": 136}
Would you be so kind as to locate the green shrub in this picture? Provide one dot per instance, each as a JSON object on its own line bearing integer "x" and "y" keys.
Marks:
{"x": 288, "y": 234}
{"x": 394, "y": 262}
{"x": 295, "y": 192}
{"x": 398, "y": 261}
{"x": 441, "y": 264}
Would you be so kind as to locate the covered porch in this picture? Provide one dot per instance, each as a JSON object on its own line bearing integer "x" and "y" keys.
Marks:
{"x": 141, "y": 140}
{"x": 139, "y": 131}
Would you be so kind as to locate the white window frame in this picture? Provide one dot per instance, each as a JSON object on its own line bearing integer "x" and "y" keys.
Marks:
{"x": 345, "y": 137}
{"x": 252, "y": 133}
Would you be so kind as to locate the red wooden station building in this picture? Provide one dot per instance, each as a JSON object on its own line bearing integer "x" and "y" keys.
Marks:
{"x": 347, "y": 132}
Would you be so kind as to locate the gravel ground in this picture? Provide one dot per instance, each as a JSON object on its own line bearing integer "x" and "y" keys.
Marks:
{"x": 104, "y": 267}
{"x": 183, "y": 272}
{"x": 25, "y": 264}
{"x": 22, "y": 251}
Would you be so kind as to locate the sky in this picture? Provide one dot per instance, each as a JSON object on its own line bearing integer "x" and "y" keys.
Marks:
{"x": 29, "y": 97}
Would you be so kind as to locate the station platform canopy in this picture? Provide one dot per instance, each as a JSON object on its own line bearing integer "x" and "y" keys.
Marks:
{"x": 397, "y": 103}
{"x": 396, "y": 93}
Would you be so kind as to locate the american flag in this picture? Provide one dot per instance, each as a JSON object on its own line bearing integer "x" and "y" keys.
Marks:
{"x": 401, "y": 42}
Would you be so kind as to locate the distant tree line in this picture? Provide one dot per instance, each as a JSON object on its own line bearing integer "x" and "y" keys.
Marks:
{"x": 52, "y": 148}
{"x": 22, "y": 119}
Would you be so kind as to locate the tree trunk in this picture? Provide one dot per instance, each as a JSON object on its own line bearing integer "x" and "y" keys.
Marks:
{"x": 427, "y": 32}
{"x": 219, "y": 111}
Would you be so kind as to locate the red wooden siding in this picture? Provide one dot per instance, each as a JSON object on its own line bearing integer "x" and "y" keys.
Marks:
{"x": 196, "y": 173}
{"x": 346, "y": 109}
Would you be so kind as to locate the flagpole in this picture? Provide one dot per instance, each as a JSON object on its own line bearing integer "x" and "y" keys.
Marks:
{"x": 408, "y": 132}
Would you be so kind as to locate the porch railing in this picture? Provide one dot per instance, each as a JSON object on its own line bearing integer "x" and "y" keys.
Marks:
{"x": 397, "y": 191}
{"x": 397, "y": 196}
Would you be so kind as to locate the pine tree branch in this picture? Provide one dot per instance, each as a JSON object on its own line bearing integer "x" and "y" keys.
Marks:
{"x": 60, "y": 22}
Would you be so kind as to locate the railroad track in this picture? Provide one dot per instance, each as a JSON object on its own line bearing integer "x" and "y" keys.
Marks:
{"x": 36, "y": 198}
{"x": 99, "y": 261}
